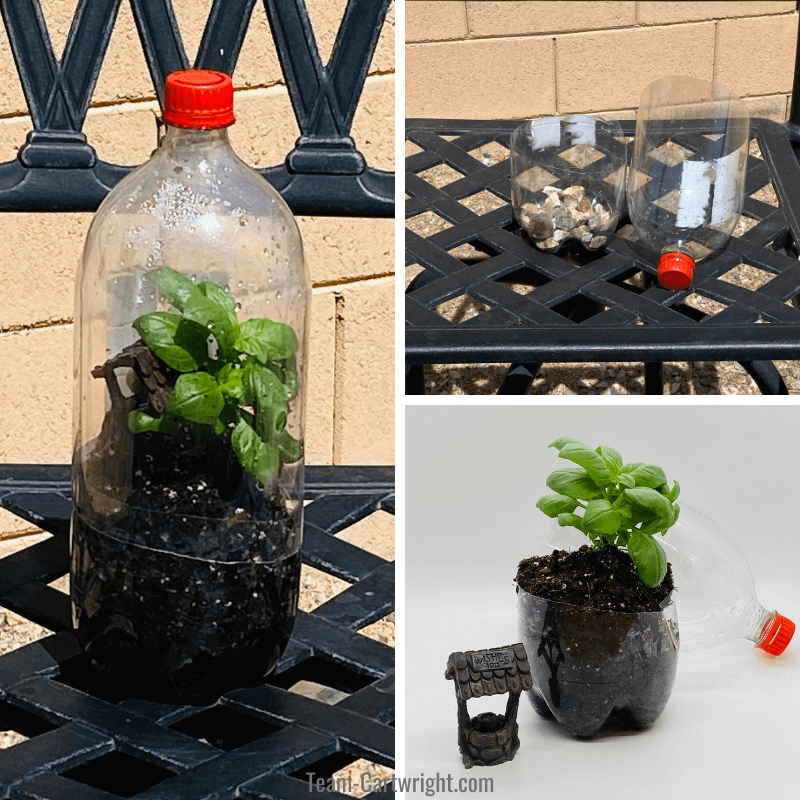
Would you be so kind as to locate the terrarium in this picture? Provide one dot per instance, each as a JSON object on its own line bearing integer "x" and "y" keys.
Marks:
{"x": 192, "y": 313}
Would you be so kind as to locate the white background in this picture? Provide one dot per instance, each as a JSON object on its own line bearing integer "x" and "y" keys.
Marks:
{"x": 473, "y": 475}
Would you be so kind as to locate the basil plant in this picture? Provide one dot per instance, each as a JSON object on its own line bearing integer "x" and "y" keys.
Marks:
{"x": 622, "y": 505}
{"x": 234, "y": 376}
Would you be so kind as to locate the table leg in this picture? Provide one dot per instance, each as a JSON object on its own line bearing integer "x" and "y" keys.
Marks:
{"x": 519, "y": 378}
{"x": 766, "y": 376}
{"x": 653, "y": 378}
{"x": 415, "y": 379}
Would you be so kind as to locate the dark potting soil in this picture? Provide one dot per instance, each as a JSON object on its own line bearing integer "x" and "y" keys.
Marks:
{"x": 603, "y": 579}
{"x": 190, "y": 587}
{"x": 175, "y": 628}
{"x": 593, "y": 656}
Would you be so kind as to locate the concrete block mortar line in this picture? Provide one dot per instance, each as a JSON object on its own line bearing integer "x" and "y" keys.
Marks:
{"x": 631, "y": 112}
{"x": 54, "y": 323}
{"x": 338, "y": 374}
{"x": 715, "y": 19}
{"x": 44, "y": 323}
{"x": 716, "y": 40}
{"x": 266, "y": 89}
{"x": 637, "y": 26}
{"x": 555, "y": 70}
{"x": 348, "y": 281}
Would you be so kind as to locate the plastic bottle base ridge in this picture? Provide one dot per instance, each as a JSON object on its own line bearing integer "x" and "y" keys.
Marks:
{"x": 675, "y": 270}
{"x": 776, "y": 635}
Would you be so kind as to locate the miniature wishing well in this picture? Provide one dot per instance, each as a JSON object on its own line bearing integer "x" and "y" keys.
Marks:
{"x": 489, "y": 738}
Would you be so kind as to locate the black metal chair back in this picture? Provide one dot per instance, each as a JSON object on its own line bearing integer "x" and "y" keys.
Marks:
{"x": 57, "y": 169}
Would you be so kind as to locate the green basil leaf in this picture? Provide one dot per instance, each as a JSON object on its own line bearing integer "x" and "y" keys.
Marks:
{"x": 649, "y": 558}
{"x": 218, "y": 295}
{"x": 601, "y": 516}
{"x": 676, "y": 512}
{"x": 592, "y": 462}
{"x": 265, "y": 340}
{"x": 649, "y": 476}
{"x": 197, "y": 398}
{"x": 626, "y": 480}
{"x": 179, "y": 343}
{"x": 176, "y": 287}
{"x": 612, "y": 458}
{"x": 215, "y": 319}
{"x": 139, "y": 422}
{"x": 632, "y": 467}
{"x": 673, "y": 493}
{"x": 650, "y": 501}
{"x": 256, "y": 456}
{"x": 290, "y": 381}
{"x": 231, "y": 381}
{"x": 269, "y": 398}
{"x": 574, "y": 482}
{"x": 555, "y": 504}
{"x": 289, "y": 448}
{"x": 570, "y": 519}
{"x": 653, "y": 525}
{"x": 564, "y": 440}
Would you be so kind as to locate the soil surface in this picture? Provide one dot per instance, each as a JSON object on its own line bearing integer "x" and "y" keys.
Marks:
{"x": 603, "y": 579}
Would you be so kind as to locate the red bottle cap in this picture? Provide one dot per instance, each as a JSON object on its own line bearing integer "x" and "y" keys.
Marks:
{"x": 198, "y": 98}
{"x": 675, "y": 270}
{"x": 779, "y": 633}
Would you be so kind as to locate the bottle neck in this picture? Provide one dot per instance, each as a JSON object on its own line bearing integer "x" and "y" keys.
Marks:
{"x": 182, "y": 142}
{"x": 760, "y": 630}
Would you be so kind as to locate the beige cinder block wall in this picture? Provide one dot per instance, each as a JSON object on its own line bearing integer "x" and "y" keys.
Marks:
{"x": 517, "y": 60}
{"x": 351, "y": 403}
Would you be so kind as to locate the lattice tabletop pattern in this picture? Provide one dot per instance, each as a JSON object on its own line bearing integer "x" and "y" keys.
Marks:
{"x": 605, "y": 306}
{"x": 89, "y": 740}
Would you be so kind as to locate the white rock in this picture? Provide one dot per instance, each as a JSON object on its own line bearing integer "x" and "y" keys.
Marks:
{"x": 550, "y": 204}
{"x": 563, "y": 218}
{"x": 548, "y": 245}
{"x": 551, "y": 190}
{"x": 576, "y": 191}
{"x": 595, "y": 242}
{"x": 540, "y": 226}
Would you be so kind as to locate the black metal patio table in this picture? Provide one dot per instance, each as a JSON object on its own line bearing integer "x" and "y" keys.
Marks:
{"x": 89, "y": 739}
{"x": 593, "y": 311}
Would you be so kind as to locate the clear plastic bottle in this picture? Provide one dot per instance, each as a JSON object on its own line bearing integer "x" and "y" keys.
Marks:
{"x": 192, "y": 313}
{"x": 687, "y": 176}
{"x": 715, "y": 593}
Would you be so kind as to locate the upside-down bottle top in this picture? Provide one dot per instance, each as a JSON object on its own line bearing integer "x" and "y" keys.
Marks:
{"x": 776, "y": 635}
{"x": 675, "y": 270}
{"x": 198, "y": 98}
